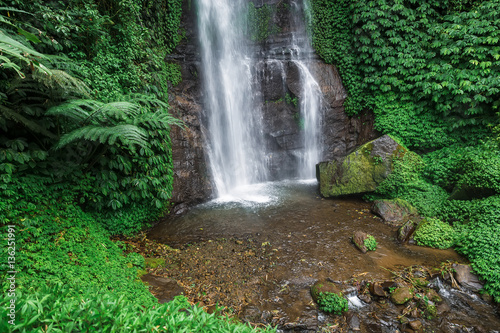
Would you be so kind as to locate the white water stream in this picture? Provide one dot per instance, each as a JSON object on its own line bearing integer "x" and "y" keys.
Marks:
{"x": 234, "y": 139}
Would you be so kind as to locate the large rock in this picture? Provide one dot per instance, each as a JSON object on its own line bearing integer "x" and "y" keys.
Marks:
{"x": 464, "y": 276}
{"x": 393, "y": 211}
{"x": 361, "y": 171}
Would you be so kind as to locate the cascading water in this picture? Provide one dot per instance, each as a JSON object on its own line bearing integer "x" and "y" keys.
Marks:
{"x": 311, "y": 95}
{"x": 235, "y": 138}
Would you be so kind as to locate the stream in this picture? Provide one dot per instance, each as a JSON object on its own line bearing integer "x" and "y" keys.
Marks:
{"x": 296, "y": 238}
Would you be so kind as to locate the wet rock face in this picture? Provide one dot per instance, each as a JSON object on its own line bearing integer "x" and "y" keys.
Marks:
{"x": 191, "y": 178}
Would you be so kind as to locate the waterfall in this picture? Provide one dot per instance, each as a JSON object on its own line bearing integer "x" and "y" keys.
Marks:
{"x": 311, "y": 95}
{"x": 236, "y": 144}
{"x": 234, "y": 124}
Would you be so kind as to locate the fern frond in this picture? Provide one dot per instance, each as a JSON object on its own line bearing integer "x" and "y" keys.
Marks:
{"x": 129, "y": 135}
{"x": 30, "y": 124}
{"x": 158, "y": 120}
{"x": 17, "y": 50}
{"x": 78, "y": 110}
{"x": 59, "y": 79}
{"x": 88, "y": 111}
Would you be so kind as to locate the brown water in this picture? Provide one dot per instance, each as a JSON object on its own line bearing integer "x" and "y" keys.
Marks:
{"x": 310, "y": 240}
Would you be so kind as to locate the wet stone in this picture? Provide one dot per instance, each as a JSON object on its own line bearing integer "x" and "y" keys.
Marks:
{"x": 365, "y": 298}
{"x": 401, "y": 295}
{"x": 251, "y": 314}
{"x": 464, "y": 276}
{"x": 442, "y": 309}
{"x": 323, "y": 287}
{"x": 405, "y": 232}
{"x": 433, "y": 296}
{"x": 416, "y": 325}
{"x": 393, "y": 211}
{"x": 353, "y": 321}
{"x": 359, "y": 240}
{"x": 377, "y": 290}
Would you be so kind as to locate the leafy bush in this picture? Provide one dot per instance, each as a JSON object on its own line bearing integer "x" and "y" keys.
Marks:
{"x": 435, "y": 233}
{"x": 331, "y": 302}
{"x": 370, "y": 243}
{"x": 415, "y": 64}
{"x": 479, "y": 240}
{"x": 136, "y": 259}
{"x": 62, "y": 309}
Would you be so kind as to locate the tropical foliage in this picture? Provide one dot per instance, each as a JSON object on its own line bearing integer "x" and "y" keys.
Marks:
{"x": 430, "y": 72}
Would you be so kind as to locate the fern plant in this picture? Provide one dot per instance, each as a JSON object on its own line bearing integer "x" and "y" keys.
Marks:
{"x": 125, "y": 144}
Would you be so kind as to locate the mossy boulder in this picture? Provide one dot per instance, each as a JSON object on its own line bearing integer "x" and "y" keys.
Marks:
{"x": 361, "y": 171}
{"x": 401, "y": 295}
{"x": 393, "y": 211}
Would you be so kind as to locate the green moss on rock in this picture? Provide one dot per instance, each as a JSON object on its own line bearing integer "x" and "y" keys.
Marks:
{"x": 154, "y": 262}
{"x": 361, "y": 171}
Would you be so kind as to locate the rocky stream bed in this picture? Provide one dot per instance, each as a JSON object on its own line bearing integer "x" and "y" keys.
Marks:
{"x": 258, "y": 262}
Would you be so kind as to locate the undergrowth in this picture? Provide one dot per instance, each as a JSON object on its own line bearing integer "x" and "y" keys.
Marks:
{"x": 57, "y": 308}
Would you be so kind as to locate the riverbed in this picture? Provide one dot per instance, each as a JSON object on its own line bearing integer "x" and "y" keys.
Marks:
{"x": 260, "y": 249}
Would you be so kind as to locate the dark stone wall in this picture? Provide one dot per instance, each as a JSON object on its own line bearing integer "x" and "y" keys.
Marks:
{"x": 283, "y": 141}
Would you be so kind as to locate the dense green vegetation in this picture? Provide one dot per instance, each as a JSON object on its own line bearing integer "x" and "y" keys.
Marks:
{"x": 430, "y": 71}
{"x": 59, "y": 309}
{"x": 332, "y": 302}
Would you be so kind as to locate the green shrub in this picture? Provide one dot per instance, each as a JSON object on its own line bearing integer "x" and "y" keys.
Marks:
{"x": 370, "y": 243}
{"x": 479, "y": 240}
{"x": 62, "y": 309}
{"x": 136, "y": 259}
{"x": 435, "y": 233}
{"x": 331, "y": 302}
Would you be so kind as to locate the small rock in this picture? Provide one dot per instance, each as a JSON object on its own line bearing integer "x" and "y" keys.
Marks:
{"x": 359, "y": 240}
{"x": 401, "y": 295}
{"x": 416, "y": 325}
{"x": 353, "y": 321}
{"x": 377, "y": 290}
{"x": 365, "y": 298}
{"x": 251, "y": 314}
{"x": 323, "y": 287}
{"x": 405, "y": 232}
{"x": 414, "y": 313}
{"x": 464, "y": 276}
{"x": 181, "y": 209}
{"x": 388, "y": 284}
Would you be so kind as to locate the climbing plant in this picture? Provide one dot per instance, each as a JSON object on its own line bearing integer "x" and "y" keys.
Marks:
{"x": 260, "y": 22}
